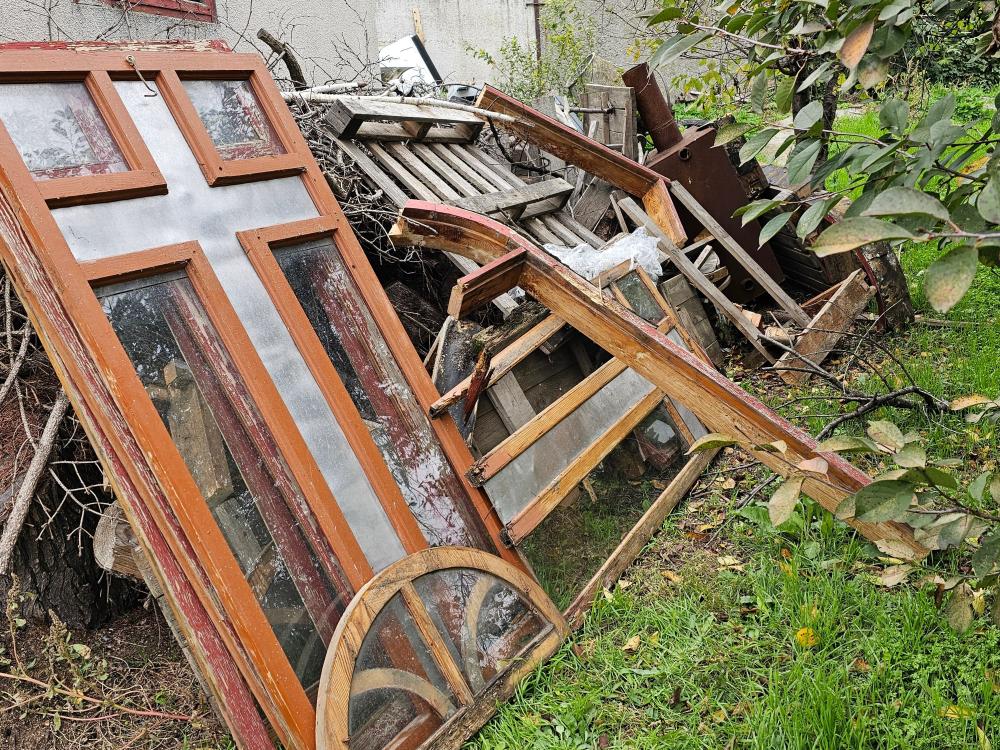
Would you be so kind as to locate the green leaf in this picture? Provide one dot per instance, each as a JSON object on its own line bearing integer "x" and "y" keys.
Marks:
{"x": 773, "y": 227}
{"x": 900, "y": 201}
{"x": 783, "y": 95}
{"x": 988, "y": 202}
{"x": 948, "y": 279}
{"x": 758, "y": 92}
{"x": 978, "y": 486}
{"x": 730, "y": 132}
{"x": 782, "y": 503}
{"x": 756, "y": 143}
{"x": 886, "y": 434}
{"x": 667, "y": 14}
{"x": 912, "y": 456}
{"x": 847, "y": 444}
{"x": 809, "y": 115}
{"x": 802, "y": 160}
{"x": 710, "y": 442}
{"x": 856, "y": 44}
{"x": 894, "y": 115}
{"x": 883, "y": 501}
{"x": 676, "y": 46}
{"x": 813, "y": 215}
{"x": 995, "y": 487}
{"x": 941, "y": 478}
{"x": 814, "y": 76}
{"x": 752, "y": 210}
{"x": 849, "y": 234}
{"x": 985, "y": 559}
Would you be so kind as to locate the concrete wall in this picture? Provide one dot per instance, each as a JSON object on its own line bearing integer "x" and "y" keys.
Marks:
{"x": 333, "y": 37}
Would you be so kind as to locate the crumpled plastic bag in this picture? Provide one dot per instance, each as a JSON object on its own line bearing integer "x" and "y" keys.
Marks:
{"x": 639, "y": 247}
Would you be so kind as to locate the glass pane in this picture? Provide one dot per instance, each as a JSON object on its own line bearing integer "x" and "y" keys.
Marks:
{"x": 58, "y": 130}
{"x": 234, "y": 119}
{"x": 397, "y": 692}
{"x": 259, "y": 509}
{"x": 640, "y": 298}
{"x": 397, "y": 424}
{"x": 486, "y": 624}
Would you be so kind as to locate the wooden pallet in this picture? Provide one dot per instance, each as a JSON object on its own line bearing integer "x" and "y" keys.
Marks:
{"x": 398, "y": 121}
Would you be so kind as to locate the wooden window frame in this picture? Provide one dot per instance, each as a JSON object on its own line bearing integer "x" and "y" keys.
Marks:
{"x": 205, "y": 11}
{"x": 195, "y": 518}
{"x": 217, "y": 169}
{"x": 258, "y": 245}
{"x": 142, "y": 177}
{"x": 240, "y": 667}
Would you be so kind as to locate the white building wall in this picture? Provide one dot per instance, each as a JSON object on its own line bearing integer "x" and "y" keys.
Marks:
{"x": 332, "y": 37}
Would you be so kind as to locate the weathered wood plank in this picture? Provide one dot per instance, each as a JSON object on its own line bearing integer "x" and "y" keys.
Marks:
{"x": 826, "y": 330}
{"x": 516, "y": 200}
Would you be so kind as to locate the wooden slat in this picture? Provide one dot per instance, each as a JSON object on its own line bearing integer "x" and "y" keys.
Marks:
{"x": 696, "y": 277}
{"x": 445, "y": 170}
{"x": 504, "y": 272}
{"x": 452, "y": 156}
{"x": 478, "y": 160}
{"x": 360, "y": 118}
{"x": 827, "y": 329}
{"x": 511, "y": 404}
{"x": 515, "y": 200}
{"x": 374, "y": 172}
{"x": 406, "y": 157}
{"x": 740, "y": 255}
{"x": 397, "y": 170}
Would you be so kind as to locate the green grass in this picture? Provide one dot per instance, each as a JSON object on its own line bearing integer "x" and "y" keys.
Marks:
{"x": 718, "y": 665}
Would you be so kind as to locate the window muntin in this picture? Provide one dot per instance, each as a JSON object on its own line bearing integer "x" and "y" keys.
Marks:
{"x": 259, "y": 509}
{"x": 59, "y": 130}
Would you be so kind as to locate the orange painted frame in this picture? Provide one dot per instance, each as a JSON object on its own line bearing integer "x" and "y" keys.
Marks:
{"x": 256, "y": 243}
{"x": 219, "y": 171}
{"x": 85, "y": 350}
{"x": 143, "y": 176}
{"x": 200, "y": 527}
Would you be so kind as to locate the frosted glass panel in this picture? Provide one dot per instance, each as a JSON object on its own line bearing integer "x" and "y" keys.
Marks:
{"x": 234, "y": 119}
{"x": 58, "y": 130}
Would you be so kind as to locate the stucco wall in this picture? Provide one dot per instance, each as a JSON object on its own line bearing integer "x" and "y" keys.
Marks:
{"x": 330, "y": 35}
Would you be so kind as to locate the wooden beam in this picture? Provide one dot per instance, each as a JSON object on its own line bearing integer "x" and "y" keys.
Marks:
{"x": 827, "y": 329}
{"x": 762, "y": 277}
{"x": 575, "y": 148}
{"x": 493, "y": 279}
{"x": 516, "y": 200}
{"x": 633, "y": 542}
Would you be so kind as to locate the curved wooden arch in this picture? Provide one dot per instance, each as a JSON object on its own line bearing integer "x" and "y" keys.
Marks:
{"x": 477, "y": 698}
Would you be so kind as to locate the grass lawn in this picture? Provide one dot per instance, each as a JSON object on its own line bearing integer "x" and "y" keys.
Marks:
{"x": 730, "y": 634}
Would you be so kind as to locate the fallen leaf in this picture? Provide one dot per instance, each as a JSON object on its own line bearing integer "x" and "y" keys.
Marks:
{"x": 787, "y": 569}
{"x": 672, "y": 576}
{"x": 782, "y": 503}
{"x": 786, "y": 553}
{"x": 608, "y": 596}
{"x": 967, "y": 402}
{"x": 728, "y": 561}
{"x": 632, "y": 645}
{"x": 955, "y": 712}
{"x": 859, "y": 665}
{"x": 729, "y": 484}
{"x": 815, "y": 465}
{"x": 719, "y": 716}
{"x": 603, "y": 741}
{"x": 624, "y": 584}
{"x": 895, "y": 575}
{"x": 807, "y": 637}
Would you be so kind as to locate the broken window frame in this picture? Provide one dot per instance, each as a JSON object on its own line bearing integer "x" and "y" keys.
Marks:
{"x": 241, "y": 667}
